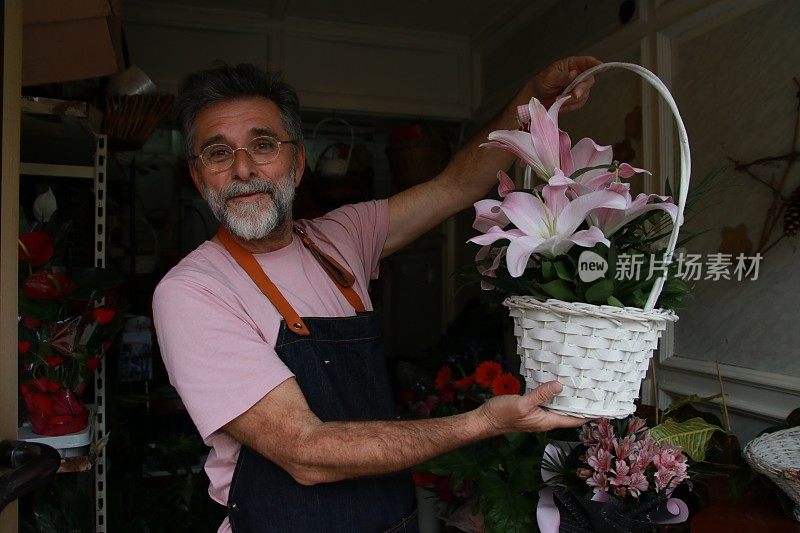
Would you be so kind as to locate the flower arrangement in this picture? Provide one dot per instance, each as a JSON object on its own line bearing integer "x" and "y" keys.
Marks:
{"x": 532, "y": 240}
{"x": 618, "y": 475}
{"x": 66, "y": 323}
{"x": 490, "y": 484}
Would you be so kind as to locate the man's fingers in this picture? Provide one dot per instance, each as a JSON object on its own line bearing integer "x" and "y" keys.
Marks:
{"x": 544, "y": 392}
{"x": 554, "y": 420}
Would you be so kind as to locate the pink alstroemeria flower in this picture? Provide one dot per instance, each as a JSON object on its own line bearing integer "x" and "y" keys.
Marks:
{"x": 540, "y": 148}
{"x": 547, "y": 225}
{"x": 610, "y": 220}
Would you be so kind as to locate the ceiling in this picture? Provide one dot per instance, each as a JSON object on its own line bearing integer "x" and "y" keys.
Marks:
{"x": 475, "y": 19}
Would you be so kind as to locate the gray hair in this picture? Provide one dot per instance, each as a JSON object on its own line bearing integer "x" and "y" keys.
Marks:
{"x": 206, "y": 87}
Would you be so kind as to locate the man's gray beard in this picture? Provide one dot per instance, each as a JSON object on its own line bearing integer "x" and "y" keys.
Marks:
{"x": 249, "y": 221}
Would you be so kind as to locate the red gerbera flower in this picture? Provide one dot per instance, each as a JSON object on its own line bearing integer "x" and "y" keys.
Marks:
{"x": 424, "y": 479}
{"x": 23, "y": 347}
{"x": 486, "y": 373}
{"x": 464, "y": 383}
{"x": 442, "y": 378}
{"x": 92, "y": 363}
{"x": 505, "y": 383}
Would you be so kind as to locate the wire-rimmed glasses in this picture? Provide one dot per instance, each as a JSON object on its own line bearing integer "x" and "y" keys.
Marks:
{"x": 261, "y": 150}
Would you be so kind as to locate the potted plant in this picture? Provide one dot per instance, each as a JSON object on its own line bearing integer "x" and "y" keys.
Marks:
{"x": 587, "y": 266}
{"x": 66, "y": 323}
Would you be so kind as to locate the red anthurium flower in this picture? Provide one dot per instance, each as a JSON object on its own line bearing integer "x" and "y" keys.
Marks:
{"x": 92, "y": 363}
{"x": 442, "y": 378}
{"x": 505, "y": 383}
{"x": 31, "y": 323}
{"x": 35, "y": 248}
{"x": 486, "y": 372}
{"x": 103, "y": 315}
{"x": 40, "y": 383}
{"x": 54, "y": 361}
{"x": 47, "y": 286}
{"x": 23, "y": 347}
{"x": 53, "y": 386}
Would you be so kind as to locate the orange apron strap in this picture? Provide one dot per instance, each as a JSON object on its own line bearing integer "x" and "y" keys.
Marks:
{"x": 249, "y": 264}
{"x": 339, "y": 275}
{"x": 343, "y": 279}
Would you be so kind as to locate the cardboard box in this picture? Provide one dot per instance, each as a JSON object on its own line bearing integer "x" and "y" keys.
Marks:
{"x": 74, "y": 40}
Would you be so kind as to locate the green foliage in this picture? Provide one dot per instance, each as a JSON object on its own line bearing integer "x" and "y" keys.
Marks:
{"x": 693, "y": 435}
{"x": 505, "y": 475}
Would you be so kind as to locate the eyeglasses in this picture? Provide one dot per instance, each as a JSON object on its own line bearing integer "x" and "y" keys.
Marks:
{"x": 261, "y": 150}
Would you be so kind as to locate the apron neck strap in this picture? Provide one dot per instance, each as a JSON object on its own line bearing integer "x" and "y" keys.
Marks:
{"x": 342, "y": 278}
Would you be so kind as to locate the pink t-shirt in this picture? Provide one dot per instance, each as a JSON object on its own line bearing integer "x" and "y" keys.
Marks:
{"x": 217, "y": 331}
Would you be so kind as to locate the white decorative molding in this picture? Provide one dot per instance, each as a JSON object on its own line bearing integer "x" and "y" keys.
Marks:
{"x": 332, "y": 65}
{"x": 346, "y": 66}
{"x": 755, "y": 393}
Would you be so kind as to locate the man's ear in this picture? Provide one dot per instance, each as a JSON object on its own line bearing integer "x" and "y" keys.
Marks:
{"x": 196, "y": 178}
{"x": 299, "y": 163}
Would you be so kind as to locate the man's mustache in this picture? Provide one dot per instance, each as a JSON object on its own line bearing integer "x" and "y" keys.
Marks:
{"x": 240, "y": 188}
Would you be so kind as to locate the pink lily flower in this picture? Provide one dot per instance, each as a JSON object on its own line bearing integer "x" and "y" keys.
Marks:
{"x": 547, "y": 225}
{"x": 540, "y": 148}
{"x": 487, "y": 212}
{"x": 610, "y": 220}
{"x": 491, "y": 271}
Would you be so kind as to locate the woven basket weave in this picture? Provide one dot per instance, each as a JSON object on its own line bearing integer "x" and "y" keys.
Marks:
{"x": 777, "y": 456}
{"x": 599, "y": 354}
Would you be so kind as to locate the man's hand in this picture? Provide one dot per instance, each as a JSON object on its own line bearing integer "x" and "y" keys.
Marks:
{"x": 511, "y": 413}
{"x": 548, "y": 84}
{"x": 473, "y": 170}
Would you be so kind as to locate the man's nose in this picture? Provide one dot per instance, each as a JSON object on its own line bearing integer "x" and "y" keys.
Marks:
{"x": 243, "y": 165}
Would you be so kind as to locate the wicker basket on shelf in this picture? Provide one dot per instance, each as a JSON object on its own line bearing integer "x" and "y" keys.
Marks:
{"x": 599, "y": 353}
{"x": 777, "y": 456}
{"x": 131, "y": 119}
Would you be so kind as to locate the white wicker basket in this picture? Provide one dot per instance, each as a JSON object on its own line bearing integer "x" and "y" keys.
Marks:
{"x": 599, "y": 354}
{"x": 777, "y": 456}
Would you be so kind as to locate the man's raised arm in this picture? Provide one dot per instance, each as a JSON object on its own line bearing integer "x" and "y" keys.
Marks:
{"x": 472, "y": 171}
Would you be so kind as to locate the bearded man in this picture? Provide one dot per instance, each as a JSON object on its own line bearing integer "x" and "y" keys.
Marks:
{"x": 267, "y": 330}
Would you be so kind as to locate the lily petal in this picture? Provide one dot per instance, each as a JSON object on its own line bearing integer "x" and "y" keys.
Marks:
{"x": 506, "y": 184}
{"x": 589, "y": 237}
{"x": 626, "y": 171}
{"x": 488, "y": 214}
{"x": 587, "y": 153}
{"x": 495, "y": 234}
{"x": 525, "y": 211}
{"x": 577, "y": 210}
{"x": 519, "y": 251}
{"x": 555, "y": 192}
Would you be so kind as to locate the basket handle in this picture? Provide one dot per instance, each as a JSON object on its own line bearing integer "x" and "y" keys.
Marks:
{"x": 686, "y": 161}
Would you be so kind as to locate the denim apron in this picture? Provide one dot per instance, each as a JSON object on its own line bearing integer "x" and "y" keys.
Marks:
{"x": 339, "y": 365}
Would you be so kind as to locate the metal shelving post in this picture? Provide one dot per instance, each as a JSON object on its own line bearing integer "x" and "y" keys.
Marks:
{"x": 100, "y": 164}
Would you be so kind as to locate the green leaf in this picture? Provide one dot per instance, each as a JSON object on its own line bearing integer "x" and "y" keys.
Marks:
{"x": 559, "y": 290}
{"x": 504, "y": 510}
{"x": 459, "y": 465}
{"x": 524, "y": 472}
{"x": 685, "y": 400}
{"x": 562, "y": 272}
{"x": 547, "y": 270}
{"x": 45, "y": 310}
{"x": 600, "y": 291}
{"x": 613, "y": 301}
{"x": 693, "y": 435}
